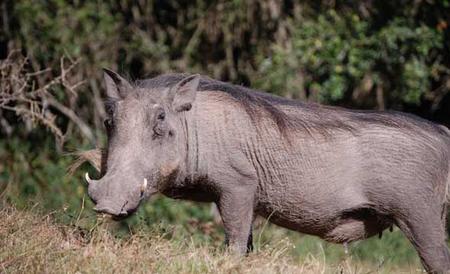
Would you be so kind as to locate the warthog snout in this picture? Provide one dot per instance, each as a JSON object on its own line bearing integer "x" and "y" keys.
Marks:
{"x": 117, "y": 204}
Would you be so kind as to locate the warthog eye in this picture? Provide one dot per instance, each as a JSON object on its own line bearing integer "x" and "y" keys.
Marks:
{"x": 161, "y": 116}
{"x": 108, "y": 123}
{"x": 160, "y": 126}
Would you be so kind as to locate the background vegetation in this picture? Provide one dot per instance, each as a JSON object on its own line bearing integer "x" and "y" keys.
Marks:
{"x": 359, "y": 54}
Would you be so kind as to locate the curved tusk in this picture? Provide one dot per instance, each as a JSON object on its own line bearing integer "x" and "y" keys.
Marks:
{"x": 144, "y": 185}
{"x": 88, "y": 180}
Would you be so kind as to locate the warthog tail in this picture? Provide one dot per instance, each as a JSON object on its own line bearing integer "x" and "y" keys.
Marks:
{"x": 447, "y": 184}
{"x": 447, "y": 188}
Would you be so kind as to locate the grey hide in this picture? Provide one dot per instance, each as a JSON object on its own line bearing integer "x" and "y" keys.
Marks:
{"x": 340, "y": 174}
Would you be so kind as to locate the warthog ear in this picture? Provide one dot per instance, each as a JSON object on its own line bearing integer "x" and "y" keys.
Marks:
{"x": 116, "y": 86}
{"x": 182, "y": 95}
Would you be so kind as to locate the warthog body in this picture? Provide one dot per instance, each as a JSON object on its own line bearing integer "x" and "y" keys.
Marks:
{"x": 339, "y": 174}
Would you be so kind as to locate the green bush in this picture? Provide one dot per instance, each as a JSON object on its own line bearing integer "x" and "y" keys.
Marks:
{"x": 370, "y": 54}
{"x": 334, "y": 55}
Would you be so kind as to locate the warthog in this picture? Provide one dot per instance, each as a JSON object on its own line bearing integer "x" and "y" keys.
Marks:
{"x": 340, "y": 174}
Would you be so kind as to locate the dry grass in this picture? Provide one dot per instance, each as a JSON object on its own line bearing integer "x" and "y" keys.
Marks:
{"x": 33, "y": 243}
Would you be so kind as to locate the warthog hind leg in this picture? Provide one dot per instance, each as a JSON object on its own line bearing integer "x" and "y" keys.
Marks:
{"x": 426, "y": 231}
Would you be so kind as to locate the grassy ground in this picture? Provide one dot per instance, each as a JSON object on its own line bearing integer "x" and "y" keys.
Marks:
{"x": 32, "y": 242}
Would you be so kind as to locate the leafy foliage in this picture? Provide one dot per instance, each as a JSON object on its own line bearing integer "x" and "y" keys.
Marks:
{"x": 369, "y": 54}
{"x": 336, "y": 57}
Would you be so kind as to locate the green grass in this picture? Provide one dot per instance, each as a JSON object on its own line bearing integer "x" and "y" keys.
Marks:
{"x": 33, "y": 242}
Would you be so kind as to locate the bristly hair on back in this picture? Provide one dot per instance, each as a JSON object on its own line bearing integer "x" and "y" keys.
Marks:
{"x": 252, "y": 101}
{"x": 311, "y": 118}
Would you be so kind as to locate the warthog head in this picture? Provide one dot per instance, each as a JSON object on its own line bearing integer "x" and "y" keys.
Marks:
{"x": 146, "y": 142}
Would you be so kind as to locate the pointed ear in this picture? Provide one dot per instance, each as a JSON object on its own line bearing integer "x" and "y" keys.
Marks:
{"x": 182, "y": 95}
{"x": 116, "y": 86}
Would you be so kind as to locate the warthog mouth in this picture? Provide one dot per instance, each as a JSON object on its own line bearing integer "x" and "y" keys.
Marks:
{"x": 120, "y": 217}
{"x": 116, "y": 215}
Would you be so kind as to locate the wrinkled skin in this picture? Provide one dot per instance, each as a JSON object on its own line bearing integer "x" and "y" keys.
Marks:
{"x": 338, "y": 174}
{"x": 142, "y": 144}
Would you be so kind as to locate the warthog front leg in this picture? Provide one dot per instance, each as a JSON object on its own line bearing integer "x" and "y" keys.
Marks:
{"x": 236, "y": 209}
